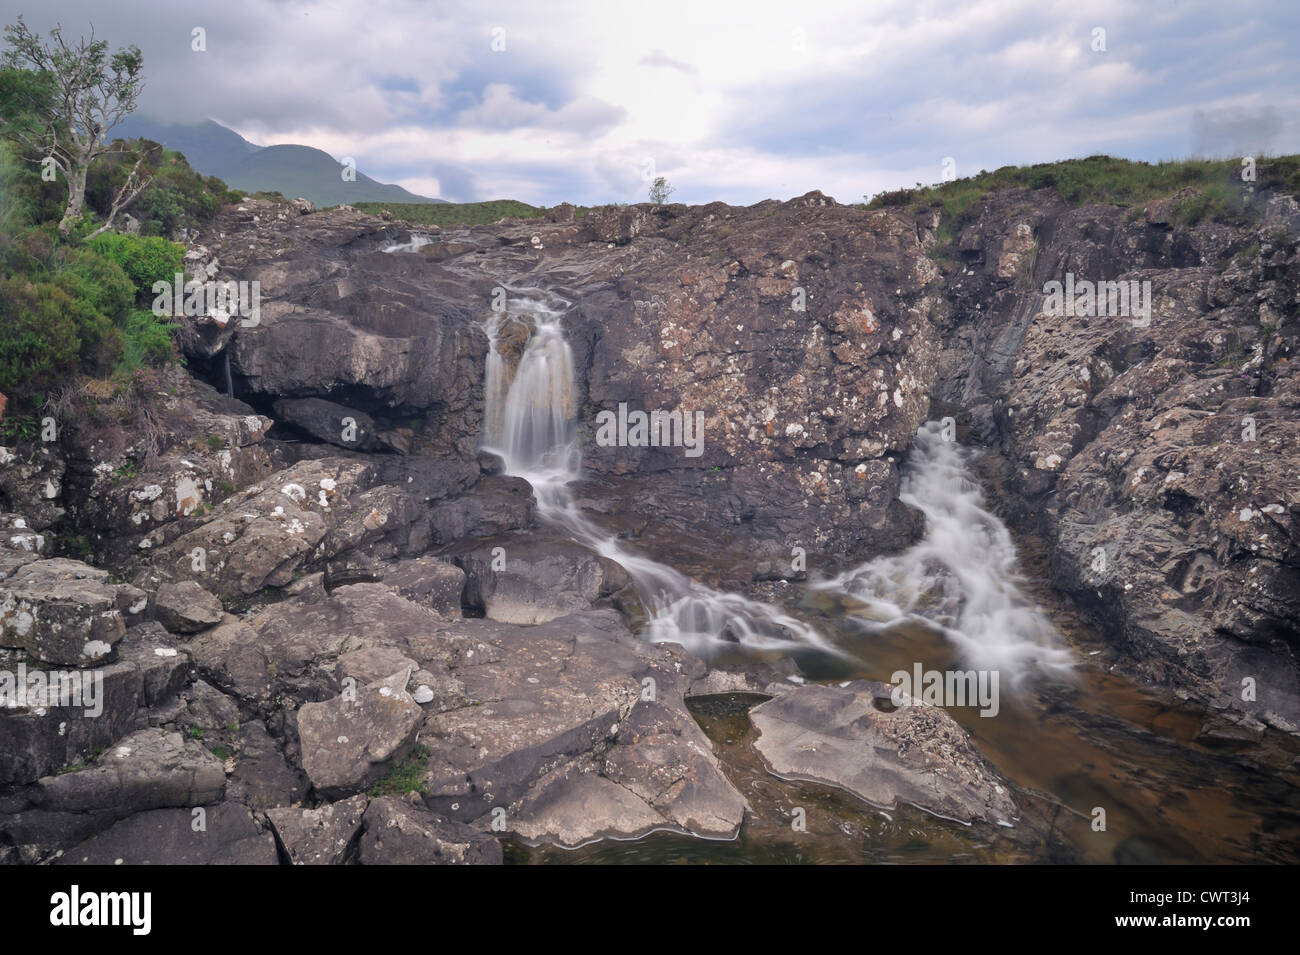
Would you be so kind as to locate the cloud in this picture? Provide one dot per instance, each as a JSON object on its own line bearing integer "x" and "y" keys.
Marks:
{"x": 736, "y": 99}
{"x": 660, "y": 58}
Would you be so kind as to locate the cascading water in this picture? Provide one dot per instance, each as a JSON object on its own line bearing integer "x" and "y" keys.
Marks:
{"x": 960, "y": 578}
{"x": 530, "y": 422}
{"x": 418, "y": 241}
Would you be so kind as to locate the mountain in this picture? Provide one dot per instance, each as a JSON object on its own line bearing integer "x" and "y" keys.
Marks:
{"x": 293, "y": 170}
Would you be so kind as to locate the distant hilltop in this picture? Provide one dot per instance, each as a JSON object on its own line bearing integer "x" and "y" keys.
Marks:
{"x": 293, "y": 170}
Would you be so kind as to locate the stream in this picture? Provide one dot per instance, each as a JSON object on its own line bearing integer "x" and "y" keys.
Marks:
{"x": 1069, "y": 734}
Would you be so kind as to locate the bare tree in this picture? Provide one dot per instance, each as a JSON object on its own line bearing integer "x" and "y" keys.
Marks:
{"x": 660, "y": 190}
{"x": 91, "y": 93}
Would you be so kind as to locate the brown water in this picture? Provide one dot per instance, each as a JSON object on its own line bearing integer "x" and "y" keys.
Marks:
{"x": 1067, "y": 747}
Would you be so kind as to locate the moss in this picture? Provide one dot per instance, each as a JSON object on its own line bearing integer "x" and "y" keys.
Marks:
{"x": 407, "y": 776}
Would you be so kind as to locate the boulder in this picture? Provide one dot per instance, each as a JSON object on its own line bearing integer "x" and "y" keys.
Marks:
{"x": 185, "y": 607}
{"x": 347, "y": 743}
{"x": 65, "y": 612}
{"x": 327, "y": 835}
{"x": 853, "y": 738}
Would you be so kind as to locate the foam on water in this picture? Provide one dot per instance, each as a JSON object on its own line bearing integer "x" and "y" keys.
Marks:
{"x": 418, "y": 241}
{"x": 960, "y": 577}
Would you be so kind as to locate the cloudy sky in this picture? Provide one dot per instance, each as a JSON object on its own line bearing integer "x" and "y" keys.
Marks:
{"x": 554, "y": 100}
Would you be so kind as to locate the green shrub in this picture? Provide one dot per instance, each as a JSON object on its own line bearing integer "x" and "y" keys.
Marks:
{"x": 97, "y": 279}
{"x": 40, "y": 346}
{"x": 146, "y": 341}
{"x": 145, "y": 259}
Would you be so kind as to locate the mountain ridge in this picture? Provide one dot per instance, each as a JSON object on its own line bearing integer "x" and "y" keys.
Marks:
{"x": 289, "y": 168}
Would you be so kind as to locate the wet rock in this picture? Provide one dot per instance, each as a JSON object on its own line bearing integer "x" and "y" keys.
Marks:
{"x": 1155, "y": 452}
{"x": 499, "y": 504}
{"x": 536, "y": 578}
{"x": 329, "y": 422}
{"x": 664, "y": 758}
{"x": 841, "y": 736}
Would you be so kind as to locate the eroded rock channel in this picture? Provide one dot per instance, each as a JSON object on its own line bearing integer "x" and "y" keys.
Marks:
{"x": 374, "y": 586}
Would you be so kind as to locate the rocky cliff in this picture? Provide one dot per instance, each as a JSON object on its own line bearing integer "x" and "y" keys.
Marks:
{"x": 317, "y": 543}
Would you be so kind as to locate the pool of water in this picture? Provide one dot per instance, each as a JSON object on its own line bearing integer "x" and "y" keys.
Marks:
{"x": 1067, "y": 746}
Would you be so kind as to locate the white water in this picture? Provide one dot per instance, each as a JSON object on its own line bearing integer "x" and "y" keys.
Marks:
{"x": 961, "y": 577}
{"x": 529, "y": 421}
{"x": 418, "y": 241}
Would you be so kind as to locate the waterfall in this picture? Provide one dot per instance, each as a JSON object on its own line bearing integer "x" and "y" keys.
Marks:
{"x": 230, "y": 382}
{"x": 960, "y": 577}
{"x": 530, "y": 422}
{"x": 418, "y": 241}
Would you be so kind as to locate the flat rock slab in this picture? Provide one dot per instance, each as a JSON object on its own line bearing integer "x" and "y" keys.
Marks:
{"x": 571, "y": 808}
{"x": 151, "y": 769}
{"x": 323, "y": 836}
{"x": 229, "y": 836}
{"x": 916, "y": 755}
{"x": 401, "y": 832}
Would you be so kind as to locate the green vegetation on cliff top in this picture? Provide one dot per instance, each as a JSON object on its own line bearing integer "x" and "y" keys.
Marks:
{"x": 1121, "y": 182}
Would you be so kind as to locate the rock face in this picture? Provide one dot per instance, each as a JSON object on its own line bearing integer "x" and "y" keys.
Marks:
{"x": 843, "y": 736}
{"x": 379, "y": 611}
{"x": 805, "y": 423}
{"x": 1159, "y": 452}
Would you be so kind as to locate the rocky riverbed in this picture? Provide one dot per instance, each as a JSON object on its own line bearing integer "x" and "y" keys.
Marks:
{"x": 328, "y": 628}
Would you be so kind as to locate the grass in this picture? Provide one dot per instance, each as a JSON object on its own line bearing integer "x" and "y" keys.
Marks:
{"x": 126, "y": 471}
{"x": 1105, "y": 180}
{"x": 406, "y": 777}
{"x": 20, "y": 427}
